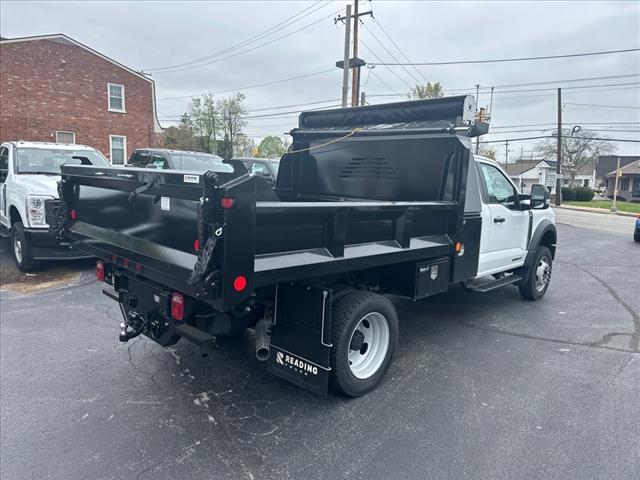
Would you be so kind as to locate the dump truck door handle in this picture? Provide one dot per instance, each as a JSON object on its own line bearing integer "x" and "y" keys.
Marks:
{"x": 498, "y": 220}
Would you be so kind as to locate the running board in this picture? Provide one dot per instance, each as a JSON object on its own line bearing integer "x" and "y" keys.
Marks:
{"x": 193, "y": 334}
{"x": 492, "y": 285}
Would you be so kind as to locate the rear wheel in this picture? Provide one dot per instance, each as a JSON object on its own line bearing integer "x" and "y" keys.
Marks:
{"x": 21, "y": 249}
{"x": 538, "y": 276}
{"x": 365, "y": 334}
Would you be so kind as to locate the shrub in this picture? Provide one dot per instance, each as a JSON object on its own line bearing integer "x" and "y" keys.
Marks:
{"x": 568, "y": 193}
{"x": 584, "y": 194}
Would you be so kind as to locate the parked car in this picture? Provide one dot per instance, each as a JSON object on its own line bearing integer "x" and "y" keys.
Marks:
{"x": 266, "y": 168}
{"x": 636, "y": 233}
{"x": 176, "y": 160}
{"x": 29, "y": 175}
{"x": 403, "y": 211}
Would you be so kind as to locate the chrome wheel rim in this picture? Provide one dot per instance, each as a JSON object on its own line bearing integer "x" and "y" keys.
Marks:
{"x": 368, "y": 345}
{"x": 17, "y": 248}
{"x": 543, "y": 274}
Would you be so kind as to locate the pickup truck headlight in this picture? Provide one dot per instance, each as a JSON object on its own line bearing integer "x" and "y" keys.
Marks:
{"x": 36, "y": 210}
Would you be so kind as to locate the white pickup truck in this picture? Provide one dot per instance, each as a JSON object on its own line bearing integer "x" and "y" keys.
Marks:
{"x": 29, "y": 175}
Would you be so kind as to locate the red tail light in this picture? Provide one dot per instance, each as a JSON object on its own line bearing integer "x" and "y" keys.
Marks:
{"x": 177, "y": 306}
{"x": 227, "y": 202}
{"x": 240, "y": 283}
{"x": 196, "y": 245}
{"x": 100, "y": 271}
{"x": 72, "y": 214}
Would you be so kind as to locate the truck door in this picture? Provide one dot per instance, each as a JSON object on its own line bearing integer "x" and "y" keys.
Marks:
{"x": 504, "y": 225}
{"x": 4, "y": 172}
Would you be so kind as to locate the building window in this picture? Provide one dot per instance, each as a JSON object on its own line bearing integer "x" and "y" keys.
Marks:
{"x": 118, "y": 149}
{"x": 115, "y": 93}
{"x": 624, "y": 184}
{"x": 65, "y": 137}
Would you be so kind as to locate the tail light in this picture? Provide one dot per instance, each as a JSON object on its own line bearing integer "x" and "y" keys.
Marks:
{"x": 100, "y": 271}
{"x": 240, "y": 283}
{"x": 227, "y": 202}
{"x": 177, "y": 306}
{"x": 73, "y": 214}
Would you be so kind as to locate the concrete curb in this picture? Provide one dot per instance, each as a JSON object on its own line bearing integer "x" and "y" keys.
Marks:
{"x": 595, "y": 210}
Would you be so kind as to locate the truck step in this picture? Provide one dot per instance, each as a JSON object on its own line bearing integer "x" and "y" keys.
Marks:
{"x": 194, "y": 335}
{"x": 493, "y": 284}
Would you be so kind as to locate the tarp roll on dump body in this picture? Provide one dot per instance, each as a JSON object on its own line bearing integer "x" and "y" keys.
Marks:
{"x": 457, "y": 111}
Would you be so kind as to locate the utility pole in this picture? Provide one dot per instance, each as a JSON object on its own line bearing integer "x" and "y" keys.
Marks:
{"x": 506, "y": 153}
{"x": 477, "y": 100}
{"x": 614, "y": 208}
{"x": 355, "y": 78}
{"x": 559, "y": 154}
{"x": 345, "y": 65}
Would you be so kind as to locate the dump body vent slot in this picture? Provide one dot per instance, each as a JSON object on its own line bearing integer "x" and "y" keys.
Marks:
{"x": 375, "y": 167}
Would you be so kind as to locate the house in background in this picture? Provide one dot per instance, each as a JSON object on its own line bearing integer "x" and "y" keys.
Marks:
{"x": 628, "y": 182}
{"x": 525, "y": 173}
{"x": 55, "y": 89}
{"x": 608, "y": 163}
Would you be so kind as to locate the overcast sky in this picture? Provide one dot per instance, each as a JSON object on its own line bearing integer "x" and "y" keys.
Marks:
{"x": 150, "y": 35}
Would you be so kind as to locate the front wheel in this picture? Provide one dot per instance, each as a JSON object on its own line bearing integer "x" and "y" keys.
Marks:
{"x": 365, "y": 334}
{"x": 538, "y": 276}
{"x": 21, "y": 249}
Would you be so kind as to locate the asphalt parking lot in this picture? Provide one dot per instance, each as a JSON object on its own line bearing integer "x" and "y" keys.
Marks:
{"x": 482, "y": 386}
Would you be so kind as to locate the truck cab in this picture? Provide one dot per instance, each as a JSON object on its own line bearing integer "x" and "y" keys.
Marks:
{"x": 29, "y": 176}
{"x": 168, "y": 159}
{"x": 508, "y": 220}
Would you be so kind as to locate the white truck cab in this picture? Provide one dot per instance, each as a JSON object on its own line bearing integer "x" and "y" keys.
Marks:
{"x": 511, "y": 235}
{"x": 29, "y": 175}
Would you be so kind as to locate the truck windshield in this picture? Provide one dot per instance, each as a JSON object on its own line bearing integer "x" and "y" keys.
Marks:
{"x": 47, "y": 161}
{"x": 200, "y": 162}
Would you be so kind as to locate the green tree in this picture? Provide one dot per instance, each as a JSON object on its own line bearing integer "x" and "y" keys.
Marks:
{"x": 579, "y": 149}
{"x": 271, "y": 146}
{"x": 180, "y": 137}
{"x": 428, "y": 90}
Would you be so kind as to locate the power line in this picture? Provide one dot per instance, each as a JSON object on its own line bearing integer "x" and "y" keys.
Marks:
{"x": 288, "y": 21}
{"x": 417, "y": 80}
{"x": 384, "y": 83}
{"x": 274, "y": 82}
{"x": 598, "y": 105}
{"x": 391, "y": 70}
{"x": 418, "y": 71}
{"x": 552, "y": 136}
{"x": 518, "y": 59}
{"x": 216, "y": 60}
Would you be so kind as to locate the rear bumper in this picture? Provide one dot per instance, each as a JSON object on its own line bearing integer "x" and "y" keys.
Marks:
{"x": 45, "y": 247}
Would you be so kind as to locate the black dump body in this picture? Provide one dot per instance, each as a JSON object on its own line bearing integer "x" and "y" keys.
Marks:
{"x": 360, "y": 189}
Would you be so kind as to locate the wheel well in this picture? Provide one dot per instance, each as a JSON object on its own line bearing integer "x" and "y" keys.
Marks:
{"x": 14, "y": 215}
{"x": 549, "y": 241}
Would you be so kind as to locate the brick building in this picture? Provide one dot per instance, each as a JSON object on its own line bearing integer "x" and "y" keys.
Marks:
{"x": 55, "y": 89}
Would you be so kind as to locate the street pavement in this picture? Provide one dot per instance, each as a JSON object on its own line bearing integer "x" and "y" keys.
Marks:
{"x": 482, "y": 386}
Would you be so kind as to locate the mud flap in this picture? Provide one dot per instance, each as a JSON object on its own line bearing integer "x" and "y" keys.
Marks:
{"x": 301, "y": 336}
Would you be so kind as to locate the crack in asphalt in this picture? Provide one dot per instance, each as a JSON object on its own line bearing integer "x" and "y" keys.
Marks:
{"x": 634, "y": 341}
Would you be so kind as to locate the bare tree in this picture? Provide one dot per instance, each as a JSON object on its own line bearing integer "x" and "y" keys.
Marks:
{"x": 232, "y": 111}
{"x": 579, "y": 148}
{"x": 487, "y": 151}
{"x": 205, "y": 121}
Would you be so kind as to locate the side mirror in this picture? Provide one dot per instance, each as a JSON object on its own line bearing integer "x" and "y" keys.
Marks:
{"x": 540, "y": 197}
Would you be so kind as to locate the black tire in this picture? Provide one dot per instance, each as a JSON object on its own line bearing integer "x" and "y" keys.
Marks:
{"x": 530, "y": 289}
{"x": 346, "y": 315}
{"x": 20, "y": 248}
{"x": 636, "y": 237}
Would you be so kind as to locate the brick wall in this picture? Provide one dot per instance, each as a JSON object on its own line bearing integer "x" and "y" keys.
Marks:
{"x": 48, "y": 86}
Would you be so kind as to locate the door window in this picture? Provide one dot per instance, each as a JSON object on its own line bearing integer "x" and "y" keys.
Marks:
{"x": 4, "y": 163}
{"x": 159, "y": 161}
{"x": 497, "y": 188}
